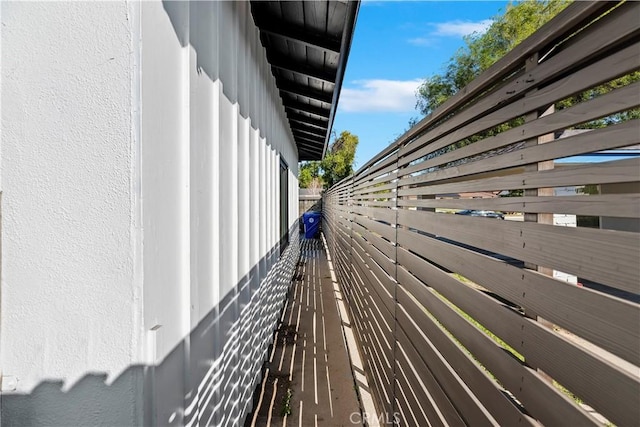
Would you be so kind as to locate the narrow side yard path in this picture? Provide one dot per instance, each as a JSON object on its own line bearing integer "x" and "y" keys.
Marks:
{"x": 309, "y": 380}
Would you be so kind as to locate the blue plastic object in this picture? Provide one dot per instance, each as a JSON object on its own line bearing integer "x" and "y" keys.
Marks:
{"x": 311, "y": 222}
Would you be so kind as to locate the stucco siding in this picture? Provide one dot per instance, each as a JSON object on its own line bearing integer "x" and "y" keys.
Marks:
{"x": 141, "y": 270}
{"x": 70, "y": 324}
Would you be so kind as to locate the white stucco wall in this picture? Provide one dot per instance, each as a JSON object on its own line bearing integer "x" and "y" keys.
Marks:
{"x": 69, "y": 289}
{"x": 140, "y": 153}
{"x": 213, "y": 131}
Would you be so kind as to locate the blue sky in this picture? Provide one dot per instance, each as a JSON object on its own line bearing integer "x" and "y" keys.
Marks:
{"x": 396, "y": 45}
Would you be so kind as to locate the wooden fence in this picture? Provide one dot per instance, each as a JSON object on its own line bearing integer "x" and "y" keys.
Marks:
{"x": 471, "y": 320}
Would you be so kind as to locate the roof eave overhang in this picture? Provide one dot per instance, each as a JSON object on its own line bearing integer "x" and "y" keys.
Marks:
{"x": 309, "y": 88}
{"x": 345, "y": 48}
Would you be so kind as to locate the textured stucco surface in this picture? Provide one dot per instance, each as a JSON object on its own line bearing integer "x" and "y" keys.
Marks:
{"x": 68, "y": 288}
{"x": 140, "y": 153}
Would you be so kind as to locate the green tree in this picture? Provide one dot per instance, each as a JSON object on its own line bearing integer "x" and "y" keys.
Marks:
{"x": 309, "y": 174}
{"x": 338, "y": 161}
{"x": 519, "y": 21}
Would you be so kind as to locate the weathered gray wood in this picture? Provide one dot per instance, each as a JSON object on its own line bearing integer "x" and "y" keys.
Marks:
{"x": 562, "y": 24}
{"x": 604, "y": 256}
{"x": 586, "y": 374}
{"x": 604, "y": 173}
{"x": 386, "y": 265}
{"x": 374, "y": 196}
{"x": 612, "y": 391}
{"x": 366, "y": 181}
{"x": 432, "y": 369}
{"x": 382, "y": 229}
{"x": 603, "y": 320}
{"x": 384, "y": 165}
{"x": 410, "y": 410}
{"x": 607, "y": 138}
{"x": 620, "y": 63}
{"x": 589, "y": 48}
{"x": 419, "y": 372}
{"x": 378, "y": 300}
{"x": 540, "y": 398}
{"x": 376, "y": 203}
{"x": 387, "y": 248}
{"x": 387, "y": 215}
{"x": 378, "y": 290}
{"x": 627, "y": 205}
{"x": 485, "y": 388}
{"x": 375, "y": 189}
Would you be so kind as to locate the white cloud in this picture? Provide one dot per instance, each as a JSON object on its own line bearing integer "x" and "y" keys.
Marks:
{"x": 422, "y": 41}
{"x": 461, "y": 28}
{"x": 380, "y": 96}
{"x": 450, "y": 29}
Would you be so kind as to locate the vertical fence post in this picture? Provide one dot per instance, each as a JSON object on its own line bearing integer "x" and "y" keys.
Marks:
{"x": 395, "y": 291}
{"x": 350, "y": 216}
{"x": 542, "y": 218}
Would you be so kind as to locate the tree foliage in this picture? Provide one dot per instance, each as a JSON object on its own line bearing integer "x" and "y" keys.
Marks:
{"x": 613, "y": 119}
{"x": 338, "y": 162}
{"x": 336, "y": 165}
{"x": 519, "y": 21}
{"x": 309, "y": 174}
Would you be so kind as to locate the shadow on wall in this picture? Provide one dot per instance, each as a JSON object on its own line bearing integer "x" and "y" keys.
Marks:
{"x": 199, "y": 23}
{"x": 208, "y": 378}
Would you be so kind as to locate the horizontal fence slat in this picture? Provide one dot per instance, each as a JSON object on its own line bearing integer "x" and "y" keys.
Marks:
{"x": 380, "y": 228}
{"x": 540, "y": 347}
{"x": 414, "y": 365}
{"x": 627, "y": 205}
{"x": 387, "y": 215}
{"x": 620, "y": 27}
{"x": 485, "y": 388}
{"x": 366, "y": 197}
{"x": 388, "y": 266}
{"x": 613, "y": 66}
{"x": 574, "y": 15}
{"x": 604, "y": 256}
{"x": 367, "y": 181}
{"x": 599, "y": 318}
{"x": 386, "y": 165}
{"x": 621, "y": 135}
{"x": 541, "y": 399}
{"x": 612, "y": 391}
{"x": 379, "y": 286}
{"x": 413, "y": 410}
{"x": 467, "y": 320}
{"x": 374, "y": 189}
{"x": 378, "y": 242}
{"x": 600, "y": 173}
{"x": 438, "y": 371}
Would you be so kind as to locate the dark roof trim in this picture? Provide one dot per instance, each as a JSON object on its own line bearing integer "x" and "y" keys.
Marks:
{"x": 309, "y": 138}
{"x": 306, "y": 92}
{"x": 345, "y": 47}
{"x": 309, "y": 129}
{"x": 299, "y": 106}
{"x": 309, "y": 121}
{"x": 282, "y": 29}
{"x": 287, "y": 64}
{"x": 307, "y": 45}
